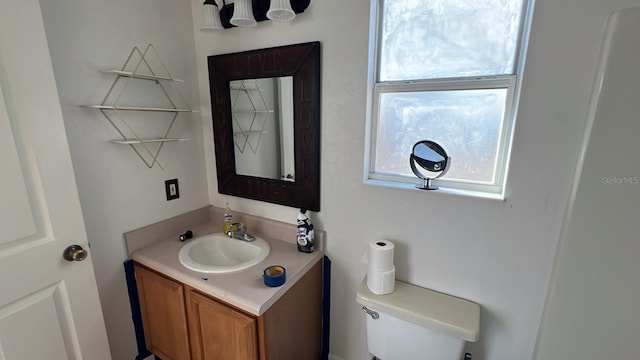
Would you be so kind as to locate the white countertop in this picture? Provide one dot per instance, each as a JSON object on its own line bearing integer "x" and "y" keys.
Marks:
{"x": 244, "y": 289}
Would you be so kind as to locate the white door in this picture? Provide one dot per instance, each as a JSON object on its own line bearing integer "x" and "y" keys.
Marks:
{"x": 49, "y": 307}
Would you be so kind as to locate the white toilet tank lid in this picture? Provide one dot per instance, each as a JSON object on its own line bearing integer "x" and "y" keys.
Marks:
{"x": 434, "y": 310}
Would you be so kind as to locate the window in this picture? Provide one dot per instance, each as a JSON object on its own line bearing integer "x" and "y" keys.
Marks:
{"x": 447, "y": 71}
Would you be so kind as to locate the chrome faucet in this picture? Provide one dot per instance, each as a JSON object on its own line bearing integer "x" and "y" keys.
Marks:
{"x": 239, "y": 231}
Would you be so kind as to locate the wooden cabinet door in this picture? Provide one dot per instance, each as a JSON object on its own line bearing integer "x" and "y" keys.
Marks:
{"x": 163, "y": 315}
{"x": 219, "y": 331}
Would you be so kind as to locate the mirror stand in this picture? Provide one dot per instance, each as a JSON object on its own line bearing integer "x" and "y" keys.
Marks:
{"x": 431, "y": 157}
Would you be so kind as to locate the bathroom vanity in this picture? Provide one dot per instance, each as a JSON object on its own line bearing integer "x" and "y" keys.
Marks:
{"x": 194, "y": 315}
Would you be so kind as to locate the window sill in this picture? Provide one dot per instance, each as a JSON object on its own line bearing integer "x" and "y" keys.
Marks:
{"x": 441, "y": 190}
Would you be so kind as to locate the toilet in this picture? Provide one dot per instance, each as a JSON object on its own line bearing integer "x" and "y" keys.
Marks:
{"x": 414, "y": 323}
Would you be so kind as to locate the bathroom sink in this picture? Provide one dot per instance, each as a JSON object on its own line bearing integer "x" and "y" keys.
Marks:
{"x": 217, "y": 253}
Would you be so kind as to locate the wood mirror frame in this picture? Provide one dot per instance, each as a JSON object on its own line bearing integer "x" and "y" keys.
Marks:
{"x": 302, "y": 61}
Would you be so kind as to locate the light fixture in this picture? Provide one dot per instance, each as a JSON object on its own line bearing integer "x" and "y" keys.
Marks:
{"x": 247, "y": 13}
{"x": 280, "y": 10}
{"x": 211, "y": 16}
{"x": 243, "y": 14}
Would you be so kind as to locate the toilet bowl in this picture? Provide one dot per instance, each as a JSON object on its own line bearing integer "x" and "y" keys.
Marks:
{"x": 415, "y": 323}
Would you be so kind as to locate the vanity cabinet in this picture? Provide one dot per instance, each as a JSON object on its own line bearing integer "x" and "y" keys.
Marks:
{"x": 181, "y": 323}
{"x": 219, "y": 331}
{"x": 163, "y": 314}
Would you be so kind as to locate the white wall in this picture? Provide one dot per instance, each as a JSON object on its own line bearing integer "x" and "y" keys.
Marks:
{"x": 118, "y": 192}
{"x": 592, "y": 312}
{"x": 498, "y": 254}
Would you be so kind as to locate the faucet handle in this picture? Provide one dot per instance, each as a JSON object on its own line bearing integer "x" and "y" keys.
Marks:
{"x": 241, "y": 233}
{"x": 240, "y": 227}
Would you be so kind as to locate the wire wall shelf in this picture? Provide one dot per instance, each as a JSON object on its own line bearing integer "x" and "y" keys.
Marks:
{"x": 140, "y": 65}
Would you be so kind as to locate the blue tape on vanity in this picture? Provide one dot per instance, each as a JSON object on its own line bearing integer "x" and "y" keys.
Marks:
{"x": 326, "y": 301}
{"x": 274, "y": 275}
{"x": 136, "y": 314}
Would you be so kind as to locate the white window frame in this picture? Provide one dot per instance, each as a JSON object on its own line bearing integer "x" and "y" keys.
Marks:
{"x": 512, "y": 83}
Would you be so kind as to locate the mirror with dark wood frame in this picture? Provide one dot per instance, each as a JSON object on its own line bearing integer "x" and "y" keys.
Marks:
{"x": 302, "y": 63}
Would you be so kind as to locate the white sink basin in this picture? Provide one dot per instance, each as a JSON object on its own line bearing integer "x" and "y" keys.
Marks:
{"x": 217, "y": 253}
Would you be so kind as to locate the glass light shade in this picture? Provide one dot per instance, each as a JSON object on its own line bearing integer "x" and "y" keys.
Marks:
{"x": 211, "y": 17}
{"x": 280, "y": 10}
{"x": 243, "y": 14}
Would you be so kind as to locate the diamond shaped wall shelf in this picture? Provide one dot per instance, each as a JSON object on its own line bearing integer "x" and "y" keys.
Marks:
{"x": 160, "y": 90}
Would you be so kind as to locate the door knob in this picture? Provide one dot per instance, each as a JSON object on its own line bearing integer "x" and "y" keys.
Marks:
{"x": 74, "y": 253}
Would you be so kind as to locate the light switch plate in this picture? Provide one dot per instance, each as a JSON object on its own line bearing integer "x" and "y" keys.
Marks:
{"x": 171, "y": 189}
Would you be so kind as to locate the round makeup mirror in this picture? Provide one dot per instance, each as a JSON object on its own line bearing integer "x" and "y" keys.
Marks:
{"x": 431, "y": 157}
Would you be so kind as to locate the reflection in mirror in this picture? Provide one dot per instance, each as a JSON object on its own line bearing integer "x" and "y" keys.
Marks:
{"x": 431, "y": 157}
{"x": 262, "y": 113}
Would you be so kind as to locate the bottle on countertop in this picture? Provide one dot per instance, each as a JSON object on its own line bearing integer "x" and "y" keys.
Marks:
{"x": 305, "y": 233}
{"x": 228, "y": 220}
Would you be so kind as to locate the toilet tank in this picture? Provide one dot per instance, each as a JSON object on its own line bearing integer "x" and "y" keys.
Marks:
{"x": 415, "y": 323}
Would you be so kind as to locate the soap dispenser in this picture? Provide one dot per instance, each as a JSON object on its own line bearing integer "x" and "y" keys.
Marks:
{"x": 228, "y": 220}
{"x": 305, "y": 233}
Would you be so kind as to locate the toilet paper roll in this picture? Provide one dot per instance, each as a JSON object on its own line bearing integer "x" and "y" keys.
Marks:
{"x": 380, "y": 257}
{"x": 382, "y": 282}
{"x": 381, "y": 274}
